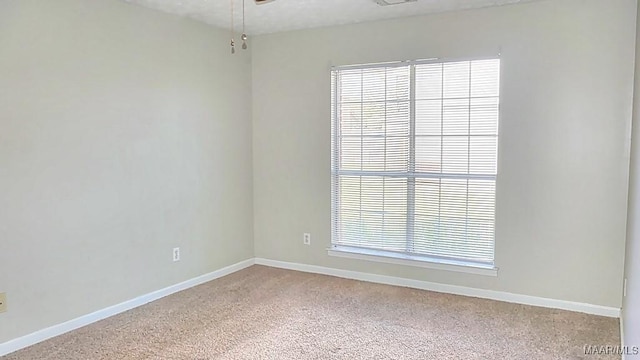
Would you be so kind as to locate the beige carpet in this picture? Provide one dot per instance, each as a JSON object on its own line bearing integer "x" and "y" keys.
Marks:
{"x": 266, "y": 313}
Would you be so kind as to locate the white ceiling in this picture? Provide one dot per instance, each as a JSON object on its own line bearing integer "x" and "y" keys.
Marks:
{"x": 285, "y": 15}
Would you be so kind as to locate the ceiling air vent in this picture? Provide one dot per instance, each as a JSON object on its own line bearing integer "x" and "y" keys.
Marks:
{"x": 393, "y": 2}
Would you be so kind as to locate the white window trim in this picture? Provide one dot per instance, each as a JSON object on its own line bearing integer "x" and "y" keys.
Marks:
{"x": 427, "y": 262}
{"x": 390, "y": 257}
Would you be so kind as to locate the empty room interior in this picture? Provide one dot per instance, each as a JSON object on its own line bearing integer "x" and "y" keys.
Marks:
{"x": 319, "y": 179}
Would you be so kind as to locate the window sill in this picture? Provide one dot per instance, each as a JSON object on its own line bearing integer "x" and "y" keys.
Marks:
{"x": 408, "y": 260}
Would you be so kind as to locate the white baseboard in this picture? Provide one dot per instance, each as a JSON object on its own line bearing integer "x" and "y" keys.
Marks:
{"x": 45, "y": 334}
{"x": 450, "y": 289}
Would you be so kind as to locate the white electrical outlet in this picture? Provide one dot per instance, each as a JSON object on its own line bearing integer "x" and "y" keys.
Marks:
{"x": 624, "y": 289}
{"x": 176, "y": 254}
{"x": 306, "y": 238}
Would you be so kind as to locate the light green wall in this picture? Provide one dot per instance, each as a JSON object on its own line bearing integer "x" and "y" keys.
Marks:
{"x": 124, "y": 132}
{"x": 631, "y": 303}
{"x": 567, "y": 77}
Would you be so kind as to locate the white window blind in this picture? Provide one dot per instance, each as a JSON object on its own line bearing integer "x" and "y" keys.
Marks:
{"x": 414, "y": 159}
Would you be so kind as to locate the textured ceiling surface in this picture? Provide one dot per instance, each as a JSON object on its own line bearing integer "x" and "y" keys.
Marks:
{"x": 285, "y": 15}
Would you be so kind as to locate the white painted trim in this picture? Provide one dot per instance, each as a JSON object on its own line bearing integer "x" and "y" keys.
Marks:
{"x": 450, "y": 289}
{"x": 45, "y": 334}
{"x": 624, "y": 356}
{"x": 408, "y": 261}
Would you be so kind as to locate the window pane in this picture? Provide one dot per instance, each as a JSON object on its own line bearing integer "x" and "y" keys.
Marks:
{"x": 350, "y": 87}
{"x": 427, "y": 197}
{"x": 429, "y": 79}
{"x": 373, "y": 154}
{"x": 351, "y": 150}
{"x": 482, "y": 195}
{"x": 484, "y": 116}
{"x": 453, "y": 198}
{"x": 398, "y": 118}
{"x": 485, "y": 78}
{"x": 455, "y": 117}
{"x": 395, "y": 214}
{"x": 428, "y": 154}
{"x": 373, "y": 84}
{"x": 429, "y": 117}
{"x": 350, "y": 193}
{"x": 455, "y": 154}
{"x": 373, "y": 118}
{"x": 373, "y": 212}
{"x": 397, "y": 154}
{"x": 372, "y": 193}
{"x": 398, "y": 83}
{"x": 483, "y": 155}
{"x": 350, "y": 119}
{"x": 456, "y": 80}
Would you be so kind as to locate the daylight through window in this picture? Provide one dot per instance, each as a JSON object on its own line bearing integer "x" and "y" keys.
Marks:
{"x": 414, "y": 159}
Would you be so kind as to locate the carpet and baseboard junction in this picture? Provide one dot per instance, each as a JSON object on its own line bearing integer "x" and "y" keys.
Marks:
{"x": 263, "y": 312}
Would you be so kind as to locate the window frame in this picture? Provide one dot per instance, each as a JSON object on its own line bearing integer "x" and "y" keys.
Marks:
{"x": 386, "y": 256}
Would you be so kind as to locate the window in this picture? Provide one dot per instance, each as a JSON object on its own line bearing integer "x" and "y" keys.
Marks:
{"x": 414, "y": 160}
